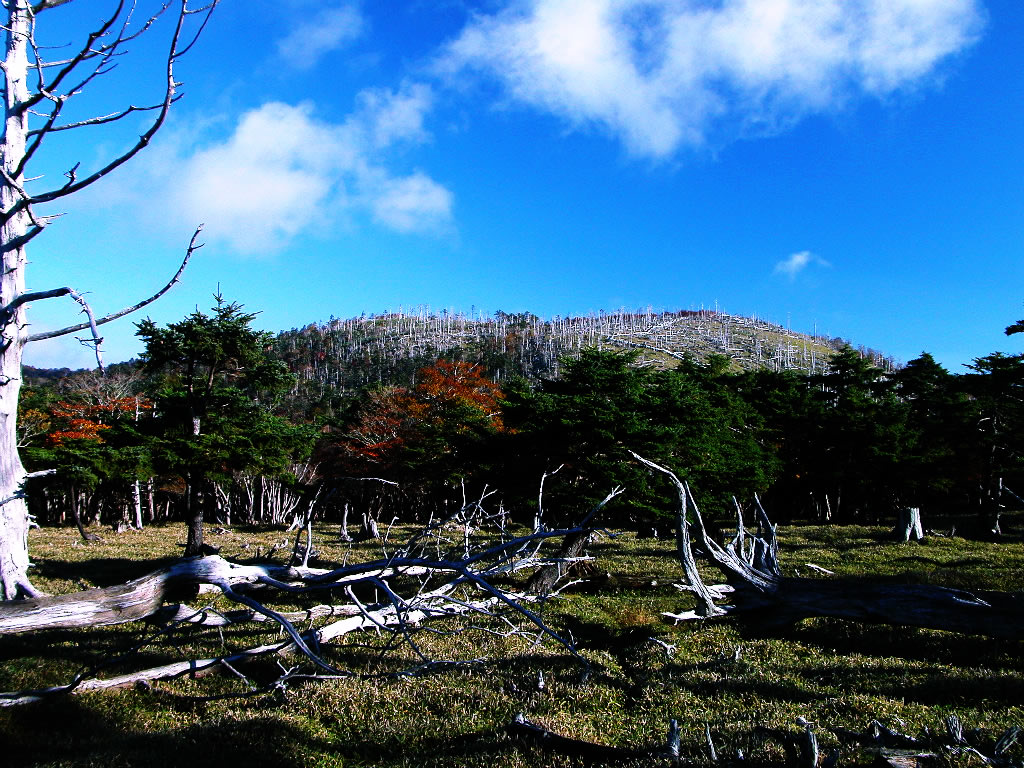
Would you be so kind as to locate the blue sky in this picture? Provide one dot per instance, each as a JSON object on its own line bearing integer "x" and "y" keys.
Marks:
{"x": 850, "y": 166}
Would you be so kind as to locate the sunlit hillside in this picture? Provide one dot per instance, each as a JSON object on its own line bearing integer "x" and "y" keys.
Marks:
{"x": 392, "y": 347}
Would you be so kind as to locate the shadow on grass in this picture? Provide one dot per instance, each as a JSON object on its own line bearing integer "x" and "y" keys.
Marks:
{"x": 68, "y": 732}
{"x": 749, "y": 689}
{"x": 102, "y": 571}
{"x": 850, "y": 638}
{"x": 959, "y": 688}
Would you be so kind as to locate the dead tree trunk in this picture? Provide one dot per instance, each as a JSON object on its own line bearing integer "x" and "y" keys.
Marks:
{"x": 36, "y": 94}
{"x": 760, "y": 592}
{"x": 908, "y": 524}
{"x": 194, "y": 517}
{"x": 14, "y": 519}
{"x": 344, "y": 534}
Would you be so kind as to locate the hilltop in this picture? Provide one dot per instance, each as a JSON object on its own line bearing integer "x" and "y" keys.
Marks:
{"x": 392, "y": 347}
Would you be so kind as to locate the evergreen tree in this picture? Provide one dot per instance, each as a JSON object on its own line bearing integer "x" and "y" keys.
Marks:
{"x": 605, "y": 406}
{"x": 215, "y": 388}
{"x": 996, "y": 387}
{"x": 938, "y": 432}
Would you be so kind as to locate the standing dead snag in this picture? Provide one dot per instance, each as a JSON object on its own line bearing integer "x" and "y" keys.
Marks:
{"x": 39, "y": 97}
{"x": 760, "y": 591}
{"x": 908, "y": 524}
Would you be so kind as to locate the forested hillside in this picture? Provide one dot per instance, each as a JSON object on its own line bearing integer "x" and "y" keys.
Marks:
{"x": 459, "y": 472}
{"x": 346, "y": 355}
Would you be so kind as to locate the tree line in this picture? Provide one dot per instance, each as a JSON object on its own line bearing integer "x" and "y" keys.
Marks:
{"x": 211, "y": 425}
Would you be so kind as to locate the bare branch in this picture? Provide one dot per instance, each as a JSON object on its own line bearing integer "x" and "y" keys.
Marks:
{"x": 192, "y": 248}
{"x": 170, "y": 96}
{"x": 45, "y": 5}
{"x": 774, "y": 600}
{"x": 466, "y": 590}
{"x": 706, "y": 605}
{"x": 86, "y": 52}
{"x": 113, "y": 117}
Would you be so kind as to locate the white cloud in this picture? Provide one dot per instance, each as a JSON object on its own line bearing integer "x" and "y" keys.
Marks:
{"x": 411, "y": 203}
{"x": 320, "y": 32}
{"x": 661, "y": 74}
{"x": 389, "y": 117}
{"x": 281, "y": 171}
{"x": 797, "y": 263}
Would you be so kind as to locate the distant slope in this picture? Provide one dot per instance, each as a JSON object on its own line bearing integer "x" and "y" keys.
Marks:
{"x": 349, "y": 354}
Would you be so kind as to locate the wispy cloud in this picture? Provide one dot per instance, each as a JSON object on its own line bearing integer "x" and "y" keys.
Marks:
{"x": 797, "y": 263}
{"x": 405, "y": 203}
{"x": 328, "y": 29}
{"x": 664, "y": 74}
{"x": 281, "y": 171}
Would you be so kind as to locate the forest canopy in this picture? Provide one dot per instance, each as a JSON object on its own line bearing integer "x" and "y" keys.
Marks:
{"x": 221, "y": 422}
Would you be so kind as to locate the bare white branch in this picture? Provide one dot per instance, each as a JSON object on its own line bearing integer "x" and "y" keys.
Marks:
{"x": 192, "y": 248}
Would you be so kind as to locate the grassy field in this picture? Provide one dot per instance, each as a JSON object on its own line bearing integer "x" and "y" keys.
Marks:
{"x": 725, "y": 675}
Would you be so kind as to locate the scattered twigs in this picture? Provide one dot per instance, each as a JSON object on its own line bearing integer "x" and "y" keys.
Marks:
{"x": 898, "y": 750}
{"x": 800, "y": 745}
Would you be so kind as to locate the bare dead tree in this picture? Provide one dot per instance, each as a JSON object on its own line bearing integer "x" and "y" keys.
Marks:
{"x": 39, "y": 95}
{"x": 908, "y": 524}
{"x": 395, "y": 607}
{"x": 758, "y": 590}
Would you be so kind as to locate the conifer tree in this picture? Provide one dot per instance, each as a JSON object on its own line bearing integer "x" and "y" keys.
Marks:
{"x": 217, "y": 386}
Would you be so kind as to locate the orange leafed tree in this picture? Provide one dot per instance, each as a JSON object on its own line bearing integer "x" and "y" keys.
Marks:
{"x": 462, "y": 386}
{"x": 86, "y": 421}
{"x": 450, "y": 398}
{"x": 386, "y": 423}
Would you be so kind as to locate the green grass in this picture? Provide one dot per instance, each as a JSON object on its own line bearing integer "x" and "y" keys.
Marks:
{"x": 831, "y": 672}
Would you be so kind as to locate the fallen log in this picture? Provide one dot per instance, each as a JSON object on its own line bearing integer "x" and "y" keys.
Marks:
{"x": 762, "y": 594}
{"x": 421, "y": 584}
{"x": 146, "y": 596}
{"x": 543, "y": 738}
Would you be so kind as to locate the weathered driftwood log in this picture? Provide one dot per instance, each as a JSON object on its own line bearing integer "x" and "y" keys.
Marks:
{"x": 544, "y": 580}
{"x": 360, "y": 618}
{"x": 147, "y": 596}
{"x": 750, "y": 564}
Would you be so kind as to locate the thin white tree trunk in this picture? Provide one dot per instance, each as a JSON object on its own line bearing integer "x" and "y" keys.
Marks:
{"x": 137, "y": 504}
{"x": 150, "y": 501}
{"x": 14, "y": 519}
{"x": 344, "y": 524}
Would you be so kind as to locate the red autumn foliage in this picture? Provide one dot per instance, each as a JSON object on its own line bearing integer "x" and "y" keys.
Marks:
{"x": 448, "y": 397}
{"x": 85, "y": 421}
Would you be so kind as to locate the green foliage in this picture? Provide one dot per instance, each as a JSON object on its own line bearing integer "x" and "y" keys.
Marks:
{"x": 604, "y": 406}
{"x": 939, "y": 418}
{"x": 996, "y": 387}
{"x": 204, "y": 355}
{"x": 215, "y": 386}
